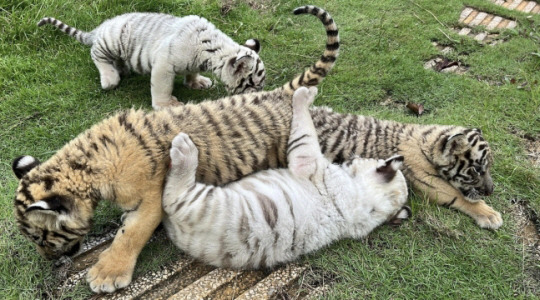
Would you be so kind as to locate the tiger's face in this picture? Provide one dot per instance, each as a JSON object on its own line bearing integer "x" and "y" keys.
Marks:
{"x": 245, "y": 72}
{"x": 45, "y": 214}
{"x": 467, "y": 160}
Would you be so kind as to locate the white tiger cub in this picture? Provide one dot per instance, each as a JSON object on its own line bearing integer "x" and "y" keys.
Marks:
{"x": 165, "y": 45}
{"x": 274, "y": 216}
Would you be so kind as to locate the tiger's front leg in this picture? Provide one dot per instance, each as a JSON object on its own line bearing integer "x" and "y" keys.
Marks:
{"x": 303, "y": 150}
{"x": 161, "y": 85}
{"x": 115, "y": 266}
{"x": 181, "y": 177}
{"x": 441, "y": 192}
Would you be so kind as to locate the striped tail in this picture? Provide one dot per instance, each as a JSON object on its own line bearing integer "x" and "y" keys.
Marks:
{"x": 86, "y": 38}
{"x": 315, "y": 74}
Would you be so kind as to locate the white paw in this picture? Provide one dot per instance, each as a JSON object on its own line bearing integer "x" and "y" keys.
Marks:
{"x": 110, "y": 80}
{"x": 303, "y": 97}
{"x": 198, "y": 82}
{"x": 170, "y": 103}
{"x": 183, "y": 151}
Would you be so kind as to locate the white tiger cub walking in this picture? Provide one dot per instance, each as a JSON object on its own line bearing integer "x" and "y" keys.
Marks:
{"x": 165, "y": 45}
{"x": 274, "y": 216}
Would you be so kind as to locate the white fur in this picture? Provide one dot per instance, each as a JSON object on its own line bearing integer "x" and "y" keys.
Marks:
{"x": 41, "y": 204}
{"x": 25, "y": 161}
{"x": 164, "y": 46}
{"x": 274, "y": 216}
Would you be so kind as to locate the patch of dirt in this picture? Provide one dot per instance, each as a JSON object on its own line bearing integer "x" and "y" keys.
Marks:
{"x": 532, "y": 148}
{"x": 313, "y": 284}
{"x": 528, "y": 233}
{"x": 445, "y": 65}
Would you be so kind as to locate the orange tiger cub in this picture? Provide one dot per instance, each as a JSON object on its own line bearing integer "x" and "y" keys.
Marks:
{"x": 124, "y": 159}
{"x": 450, "y": 164}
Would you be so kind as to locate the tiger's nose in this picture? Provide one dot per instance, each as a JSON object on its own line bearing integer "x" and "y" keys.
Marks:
{"x": 488, "y": 189}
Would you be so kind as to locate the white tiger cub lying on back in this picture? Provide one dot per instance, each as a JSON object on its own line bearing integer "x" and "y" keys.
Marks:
{"x": 165, "y": 45}
{"x": 274, "y": 216}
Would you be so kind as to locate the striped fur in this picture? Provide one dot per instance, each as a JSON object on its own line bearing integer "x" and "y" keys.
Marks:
{"x": 274, "y": 216}
{"x": 449, "y": 164}
{"x": 163, "y": 46}
{"x": 125, "y": 157}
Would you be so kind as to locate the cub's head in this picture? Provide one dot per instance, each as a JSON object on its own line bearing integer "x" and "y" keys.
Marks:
{"x": 463, "y": 158}
{"x": 47, "y": 211}
{"x": 244, "y": 72}
{"x": 382, "y": 179}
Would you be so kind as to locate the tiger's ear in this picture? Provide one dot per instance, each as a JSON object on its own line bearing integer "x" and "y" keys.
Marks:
{"x": 54, "y": 205}
{"x": 389, "y": 167}
{"x": 243, "y": 65}
{"x": 253, "y": 44}
{"x": 454, "y": 144}
{"x": 23, "y": 164}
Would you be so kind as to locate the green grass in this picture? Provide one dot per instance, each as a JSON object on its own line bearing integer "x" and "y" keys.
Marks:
{"x": 50, "y": 93}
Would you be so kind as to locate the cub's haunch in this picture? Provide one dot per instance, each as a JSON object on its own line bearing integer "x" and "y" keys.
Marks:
{"x": 274, "y": 216}
{"x": 124, "y": 159}
{"x": 163, "y": 46}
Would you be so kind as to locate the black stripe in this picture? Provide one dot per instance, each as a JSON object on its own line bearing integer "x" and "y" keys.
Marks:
{"x": 319, "y": 71}
{"x": 331, "y": 32}
{"x": 448, "y": 204}
{"x": 122, "y": 119}
{"x": 268, "y": 208}
{"x": 296, "y": 140}
{"x": 326, "y": 59}
{"x": 328, "y": 22}
{"x": 197, "y": 195}
{"x": 212, "y": 121}
{"x": 291, "y": 149}
{"x": 161, "y": 144}
{"x": 56, "y": 234}
{"x": 337, "y": 141}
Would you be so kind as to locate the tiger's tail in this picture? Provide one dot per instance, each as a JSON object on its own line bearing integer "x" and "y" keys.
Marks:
{"x": 315, "y": 74}
{"x": 86, "y": 38}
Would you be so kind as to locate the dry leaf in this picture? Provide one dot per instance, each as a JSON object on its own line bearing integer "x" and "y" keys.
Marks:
{"x": 416, "y": 108}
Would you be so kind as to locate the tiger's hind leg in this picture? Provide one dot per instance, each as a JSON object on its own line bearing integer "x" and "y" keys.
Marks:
{"x": 197, "y": 81}
{"x": 109, "y": 75}
{"x": 184, "y": 162}
{"x": 303, "y": 151}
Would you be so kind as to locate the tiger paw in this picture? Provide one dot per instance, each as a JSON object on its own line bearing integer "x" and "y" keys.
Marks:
{"x": 173, "y": 101}
{"x": 110, "y": 80}
{"x": 110, "y": 273}
{"x": 197, "y": 82}
{"x": 184, "y": 153}
{"x": 487, "y": 217}
{"x": 303, "y": 97}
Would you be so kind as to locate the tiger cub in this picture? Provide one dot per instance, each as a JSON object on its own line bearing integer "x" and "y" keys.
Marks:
{"x": 449, "y": 164}
{"x": 274, "y": 216}
{"x": 124, "y": 159}
{"x": 165, "y": 45}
